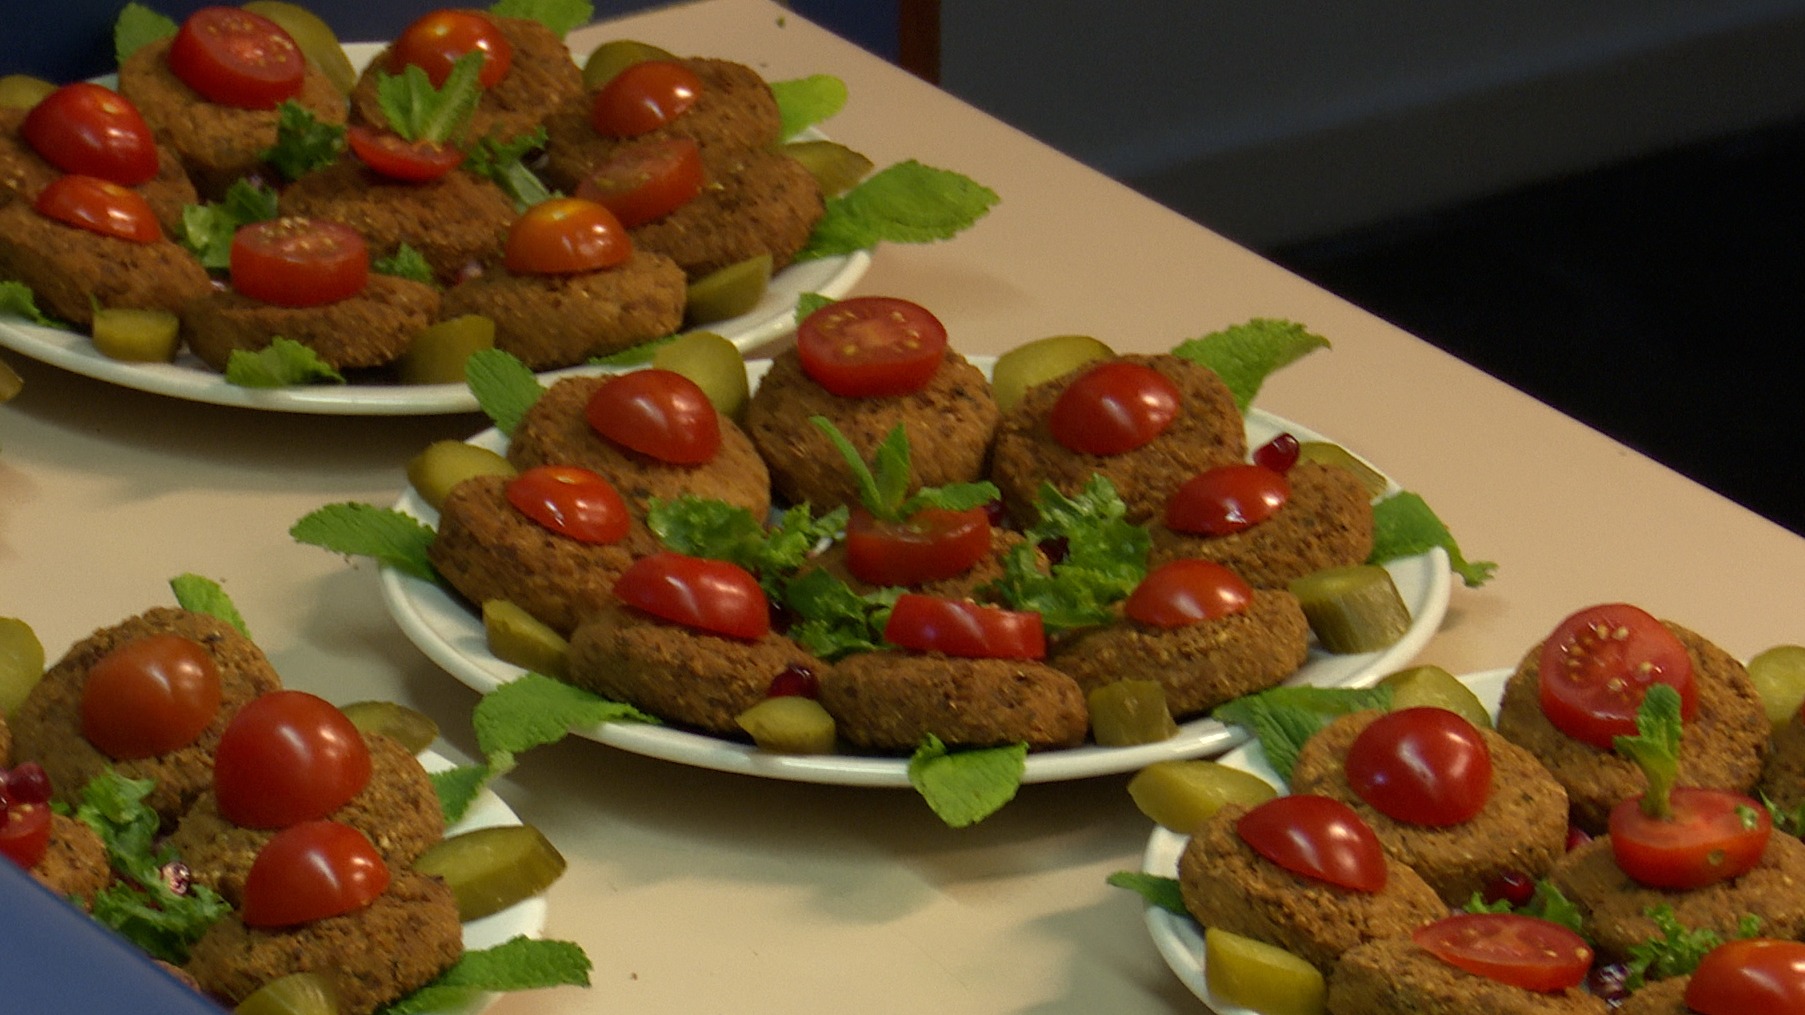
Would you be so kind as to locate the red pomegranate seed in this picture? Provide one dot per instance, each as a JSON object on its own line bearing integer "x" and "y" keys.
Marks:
{"x": 794, "y": 680}
{"x": 1576, "y": 837}
{"x": 1512, "y": 887}
{"x": 1278, "y": 454}
{"x": 28, "y": 784}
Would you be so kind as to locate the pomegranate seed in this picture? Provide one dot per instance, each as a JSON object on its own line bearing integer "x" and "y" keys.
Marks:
{"x": 28, "y": 784}
{"x": 994, "y": 513}
{"x": 1055, "y": 549}
{"x": 1512, "y": 887}
{"x": 794, "y": 680}
{"x": 1610, "y": 981}
{"x": 1278, "y": 454}
{"x": 176, "y": 876}
{"x": 1577, "y": 837}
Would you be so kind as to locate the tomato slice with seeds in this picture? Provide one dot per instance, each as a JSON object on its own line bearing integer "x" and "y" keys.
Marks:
{"x": 99, "y": 206}
{"x": 646, "y": 180}
{"x": 968, "y": 630}
{"x": 1709, "y": 836}
{"x": 1749, "y": 975}
{"x": 149, "y": 696}
{"x": 24, "y": 832}
{"x": 234, "y": 57}
{"x": 397, "y": 158}
{"x": 565, "y": 236}
{"x": 1227, "y": 499}
{"x": 435, "y": 41}
{"x": 312, "y": 871}
{"x": 92, "y": 130}
{"x": 297, "y": 262}
{"x": 709, "y": 595}
{"x": 871, "y": 346}
{"x": 644, "y": 97}
{"x": 1182, "y": 592}
{"x": 1317, "y": 837}
{"x": 571, "y": 501}
{"x": 656, "y": 412}
{"x": 1523, "y": 951}
{"x": 1113, "y": 408}
{"x": 1599, "y": 663}
{"x": 930, "y": 545}
{"x": 287, "y": 757}
{"x": 1422, "y": 766}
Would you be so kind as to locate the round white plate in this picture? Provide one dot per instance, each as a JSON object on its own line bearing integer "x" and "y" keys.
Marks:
{"x": 450, "y": 632}
{"x": 1179, "y": 938}
{"x": 189, "y": 378}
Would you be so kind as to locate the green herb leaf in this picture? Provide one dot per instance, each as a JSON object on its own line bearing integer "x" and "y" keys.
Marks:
{"x": 504, "y": 162}
{"x": 520, "y": 963}
{"x": 1153, "y": 889}
{"x": 633, "y": 355}
{"x": 1282, "y": 718}
{"x": 303, "y": 142}
{"x": 1404, "y": 525}
{"x": 561, "y": 16}
{"x": 831, "y": 620}
{"x": 715, "y": 529}
{"x": 904, "y": 203}
{"x": 1547, "y": 903}
{"x": 364, "y": 530}
{"x": 534, "y": 710}
{"x": 281, "y": 364}
{"x": 804, "y": 102}
{"x": 406, "y": 262}
{"x": 204, "y": 595}
{"x": 419, "y": 112}
{"x": 207, "y": 229}
{"x": 139, "y": 904}
{"x": 1105, "y": 558}
{"x": 138, "y": 26}
{"x": 965, "y": 787}
{"x": 504, "y": 386}
{"x": 882, "y": 484}
{"x": 808, "y": 303}
{"x": 17, "y": 300}
{"x": 1244, "y": 355}
{"x": 1679, "y": 949}
{"x": 458, "y": 788}
{"x": 1656, "y": 747}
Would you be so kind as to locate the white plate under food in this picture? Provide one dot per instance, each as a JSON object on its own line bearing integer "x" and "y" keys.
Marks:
{"x": 1180, "y": 938}
{"x": 191, "y": 379}
{"x": 450, "y": 632}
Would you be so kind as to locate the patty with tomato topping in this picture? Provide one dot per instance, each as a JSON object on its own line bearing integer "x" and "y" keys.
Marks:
{"x": 1326, "y": 522}
{"x": 369, "y": 330}
{"x": 23, "y": 173}
{"x": 457, "y": 222}
{"x": 754, "y": 201}
{"x": 969, "y": 585}
{"x": 1395, "y": 976}
{"x": 70, "y": 271}
{"x": 891, "y": 702}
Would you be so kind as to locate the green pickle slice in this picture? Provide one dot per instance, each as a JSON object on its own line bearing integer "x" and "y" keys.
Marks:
{"x": 1434, "y": 687}
{"x": 318, "y": 42}
{"x": 714, "y": 363}
{"x": 10, "y": 382}
{"x": 444, "y": 464}
{"x": 136, "y": 336}
{"x": 789, "y": 724}
{"x": 516, "y": 636}
{"x": 834, "y": 166}
{"x": 1041, "y": 360}
{"x": 21, "y": 662}
{"x": 1129, "y": 712}
{"x": 294, "y": 994}
{"x": 1779, "y": 676}
{"x": 413, "y": 729}
{"x": 616, "y": 55}
{"x": 437, "y": 355}
{"x": 1325, "y": 453}
{"x": 1353, "y": 609}
{"x": 23, "y": 91}
{"x": 1182, "y": 795}
{"x": 1261, "y": 977}
{"x": 728, "y": 292}
{"x": 490, "y": 869}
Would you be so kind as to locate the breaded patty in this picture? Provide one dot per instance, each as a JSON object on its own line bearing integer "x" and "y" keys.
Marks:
{"x": 1396, "y": 977}
{"x": 370, "y": 329}
{"x": 76, "y": 864}
{"x": 23, "y": 173}
{"x": 891, "y": 702}
{"x": 1200, "y": 665}
{"x": 1662, "y": 997}
{"x": 550, "y": 321}
{"x": 1327, "y": 522}
{"x": 1783, "y": 774}
{"x": 70, "y": 270}
{"x": 755, "y": 201}
{"x": 1522, "y": 830}
{"x": 456, "y": 222}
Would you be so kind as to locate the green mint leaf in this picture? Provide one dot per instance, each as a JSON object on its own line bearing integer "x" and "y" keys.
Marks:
{"x": 281, "y": 364}
{"x": 965, "y": 787}
{"x": 1656, "y": 747}
{"x": 882, "y": 483}
{"x": 207, "y": 229}
{"x": 804, "y": 102}
{"x": 1153, "y": 889}
{"x": 533, "y": 710}
{"x": 504, "y": 162}
{"x": 1246, "y": 354}
{"x": 904, "y": 203}
{"x": 808, "y": 303}
{"x": 504, "y": 386}
{"x": 419, "y": 112}
{"x": 303, "y": 142}
{"x": 406, "y": 262}
{"x": 951, "y": 497}
{"x": 204, "y": 595}
{"x": 1404, "y": 525}
{"x": 831, "y": 620}
{"x": 633, "y": 355}
{"x": 520, "y": 963}
{"x": 17, "y": 300}
{"x": 561, "y": 16}
{"x": 364, "y": 530}
{"x": 458, "y": 789}
{"x": 138, "y": 26}
{"x": 1282, "y": 718}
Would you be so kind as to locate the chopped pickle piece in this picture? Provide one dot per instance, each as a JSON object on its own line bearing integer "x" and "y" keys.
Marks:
{"x": 10, "y": 382}
{"x": 490, "y": 869}
{"x": 835, "y": 167}
{"x": 1260, "y": 977}
{"x": 412, "y": 728}
{"x": 319, "y": 44}
{"x": 616, "y": 55}
{"x": 1043, "y": 359}
{"x": 437, "y": 354}
{"x": 1325, "y": 453}
{"x": 294, "y": 994}
{"x": 1779, "y": 676}
{"x": 714, "y": 363}
{"x": 21, "y": 662}
{"x": 1435, "y": 687}
{"x": 1182, "y": 795}
{"x": 444, "y": 464}
{"x": 516, "y": 636}
{"x": 1353, "y": 609}
{"x": 136, "y": 336}
{"x": 1130, "y": 712}
{"x": 791, "y": 724}
{"x": 727, "y": 292}
{"x": 22, "y": 91}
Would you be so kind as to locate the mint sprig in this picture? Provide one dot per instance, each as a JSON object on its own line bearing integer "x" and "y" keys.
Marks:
{"x": 281, "y": 364}
{"x": 519, "y": 963}
{"x": 883, "y": 484}
{"x": 804, "y": 102}
{"x": 1153, "y": 889}
{"x": 138, "y": 26}
{"x": 422, "y": 113}
{"x": 1655, "y": 748}
{"x": 905, "y": 203}
{"x": 561, "y": 16}
{"x": 1244, "y": 355}
{"x": 1404, "y": 525}
{"x": 364, "y": 530}
{"x": 1283, "y": 718}
{"x": 965, "y": 787}
{"x": 504, "y": 387}
{"x": 204, "y": 595}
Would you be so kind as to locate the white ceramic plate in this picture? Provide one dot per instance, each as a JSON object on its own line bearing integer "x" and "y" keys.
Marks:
{"x": 1180, "y": 939}
{"x": 450, "y": 632}
{"x": 189, "y": 378}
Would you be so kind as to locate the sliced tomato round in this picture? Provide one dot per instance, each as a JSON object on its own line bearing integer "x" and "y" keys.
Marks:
{"x": 1523, "y": 951}
{"x": 99, "y": 206}
{"x": 646, "y": 180}
{"x": 1113, "y": 407}
{"x": 1421, "y": 766}
{"x": 24, "y": 833}
{"x": 297, "y": 262}
{"x": 968, "y": 630}
{"x": 149, "y": 696}
{"x": 436, "y": 41}
{"x": 312, "y": 871}
{"x": 1599, "y": 663}
{"x": 644, "y": 97}
{"x": 1183, "y": 592}
{"x": 659, "y": 413}
{"x": 1316, "y": 837}
{"x": 92, "y": 130}
{"x": 930, "y": 545}
{"x": 1226, "y": 499}
{"x": 286, "y": 757}
{"x": 1709, "y": 836}
{"x": 565, "y": 236}
{"x": 234, "y": 57}
{"x": 709, "y": 595}
{"x": 871, "y": 346}
{"x": 571, "y": 501}
{"x": 397, "y": 158}
{"x": 1749, "y": 975}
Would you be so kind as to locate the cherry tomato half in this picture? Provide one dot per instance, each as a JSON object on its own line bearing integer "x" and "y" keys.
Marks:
{"x": 234, "y": 57}
{"x": 297, "y": 262}
{"x": 1226, "y": 499}
{"x": 644, "y": 97}
{"x": 1113, "y": 407}
{"x": 646, "y": 180}
{"x": 149, "y": 696}
{"x": 99, "y": 206}
{"x": 397, "y": 158}
{"x": 24, "y": 833}
{"x": 1749, "y": 975}
{"x": 571, "y": 501}
{"x": 1522, "y": 951}
{"x": 1710, "y": 836}
{"x": 1183, "y": 592}
{"x": 1317, "y": 837}
{"x": 92, "y": 130}
{"x": 657, "y": 412}
{"x": 708, "y": 595}
{"x": 1598, "y": 664}
{"x": 871, "y": 346}
{"x": 968, "y": 630}
{"x": 286, "y": 757}
{"x": 1422, "y": 766}
{"x": 311, "y": 871}
{"x": 564, "y": 236}
{"x": 929, "y": 545}
{"x": 437, "y": 40}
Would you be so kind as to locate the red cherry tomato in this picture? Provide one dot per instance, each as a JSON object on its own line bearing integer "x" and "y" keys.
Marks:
{"x": 1317, "y": 837}
{"x": 1226, "y": 499}
{"x": 1749, "y": 975}
{"x": 1182, "y": 592}
{"x": 564, "y": 236}
{"x": 149, "y": 696}
{"x": 311, "y": 871}
{"x": 871, "y": 346}
{"x": 646, "y": 180}
{"x": 99, "y": 206}
{"x": 287, "y": 757}
{"x": 968, "y": 630}
{"x": 397, "y": 158}
{"x": 296, "y": 262}
{"x": 1522, "y": 951}
{"x": 571, "y": 501}
{"x": 644, "y": 97}
{"x": 437, "y": 40}
{"x": 1113, "y": 407}
{"x": 24, "y": 833}
{"x": 660, "y": 413}
{"x": 1423, "y": 766}
{"x": 929, "y": 545}
{"x": 233, "y": 57}
{"x": 708, "y": 595}
{"x": 1711, "y": 836}
{"x": 1598, "y": 664}
{"x": 92, "y": 130}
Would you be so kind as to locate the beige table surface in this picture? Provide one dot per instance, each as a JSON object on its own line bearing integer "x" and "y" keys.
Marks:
{"x": 699, "y": 892}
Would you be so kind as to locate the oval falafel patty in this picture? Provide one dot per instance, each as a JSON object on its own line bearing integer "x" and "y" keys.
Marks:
{"x": 24, "y": 173}
{"x": 70, "y": 271}
{"x": 1327, "y": 522}
{"x": 75, "y": 865}
{"x": 756, "y": 201}
{"x": 1395, "y": 976}
{"x": 370, "y": 329}
{"x": 551, "y": 321}
{"x": 1783, "y": 774}
{"x": 892, "y": 701}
